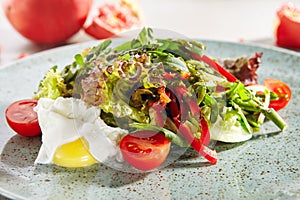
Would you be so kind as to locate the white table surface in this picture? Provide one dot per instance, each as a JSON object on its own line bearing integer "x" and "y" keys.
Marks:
{"x": 226, "y": 20}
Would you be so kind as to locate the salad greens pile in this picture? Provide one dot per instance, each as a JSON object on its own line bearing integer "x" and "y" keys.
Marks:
{"x": 165, "y": 85}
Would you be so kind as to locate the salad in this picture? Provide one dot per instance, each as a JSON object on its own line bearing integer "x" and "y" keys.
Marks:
{"x": 147, "y": 95}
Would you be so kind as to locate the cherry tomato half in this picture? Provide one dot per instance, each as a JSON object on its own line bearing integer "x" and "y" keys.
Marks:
{"x": 145, "y": 150}
{"x": 21, "y": 117}
{"x": 281, "y": 89}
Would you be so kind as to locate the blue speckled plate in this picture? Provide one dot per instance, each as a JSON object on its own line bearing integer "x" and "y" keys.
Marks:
{"x": 265, "y": 167}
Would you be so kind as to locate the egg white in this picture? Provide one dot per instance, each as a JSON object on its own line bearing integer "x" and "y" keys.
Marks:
{"x": 65, "y": 120}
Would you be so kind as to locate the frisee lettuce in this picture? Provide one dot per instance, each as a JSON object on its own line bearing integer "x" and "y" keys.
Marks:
{"x": 52, "y": 86}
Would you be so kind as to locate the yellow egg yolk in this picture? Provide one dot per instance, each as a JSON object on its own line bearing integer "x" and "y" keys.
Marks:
{"x": 74, "y": 154}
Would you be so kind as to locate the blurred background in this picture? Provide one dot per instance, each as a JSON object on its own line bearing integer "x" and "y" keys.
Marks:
{"x": 225, "y": 20}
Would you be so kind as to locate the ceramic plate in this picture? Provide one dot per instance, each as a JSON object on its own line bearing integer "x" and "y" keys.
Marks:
{"x": 265, "y": 167}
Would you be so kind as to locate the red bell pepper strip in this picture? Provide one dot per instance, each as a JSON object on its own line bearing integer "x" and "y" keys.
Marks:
{"x": 194, "y": 107}
{"x": 197, "y": 145}
{"x": 179, "y": 98}
{"x": 186, "y": 105}
{"x": 213, "y": 64}
{"x": 159, "y": 115}
{"x": 173, "y": 106}
{"x": 205, "y": 134}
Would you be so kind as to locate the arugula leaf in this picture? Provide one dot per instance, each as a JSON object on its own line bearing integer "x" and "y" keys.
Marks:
{"x": 144, "y": 40}
{"x": 99, "y": 50}
{"x": 79, "y": 60}
{"x": 123, "y": 47}
{"x": 146, "y": 37}
{"x": 170, "y": 61}
{"x": 183, "y": 48}
{"x": 212, "y": 103}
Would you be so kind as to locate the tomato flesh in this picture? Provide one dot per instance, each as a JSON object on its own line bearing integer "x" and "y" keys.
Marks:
{"x": 281, "y": 89}
{"x": 21, "y": 117}
{"x": 112, "y": 19}
{"x": 100, "y": 30}
{"x": 288, "y": 26}
{"x": 145, "y": 150}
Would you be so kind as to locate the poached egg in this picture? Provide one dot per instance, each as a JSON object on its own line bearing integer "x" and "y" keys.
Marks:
{"x": 74, "y": 135}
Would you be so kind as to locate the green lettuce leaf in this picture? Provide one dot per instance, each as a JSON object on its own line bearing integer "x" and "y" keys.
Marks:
{"x": 229, "y": 128}
{"x": 52, "y": 86}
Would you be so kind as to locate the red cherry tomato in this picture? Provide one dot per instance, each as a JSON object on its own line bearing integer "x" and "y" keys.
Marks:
{"x": 281, "y": 89}
{"x": 288, "y": 26}
{"x": 145, "y": 150}
{"x": 47, "y": 21}
{"x": 112, "y": 19}
{"x": 21, "y": 117}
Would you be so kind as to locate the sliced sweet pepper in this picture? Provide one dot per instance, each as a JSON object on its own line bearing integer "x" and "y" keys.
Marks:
{"x": 187, "y": 104}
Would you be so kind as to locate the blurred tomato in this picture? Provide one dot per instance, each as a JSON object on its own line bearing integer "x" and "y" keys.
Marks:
{"x": 287, "y": 28}
{"x": 47, "y": 21}
{"x": 112, "y": 19}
